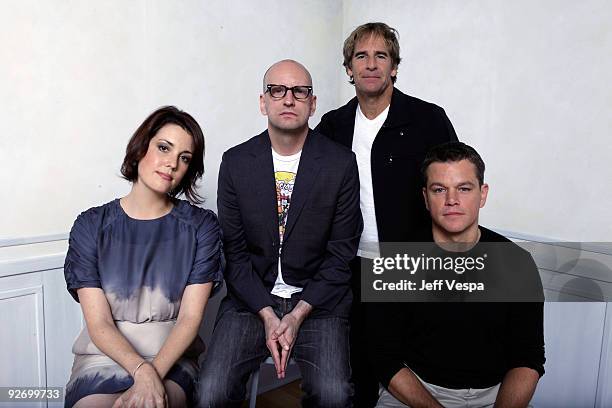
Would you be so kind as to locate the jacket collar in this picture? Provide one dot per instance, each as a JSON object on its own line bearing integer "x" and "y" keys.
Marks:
{"x": 401, "y": 112}
{"x": 308, "y": 171}
{"x": 263, "y": 147}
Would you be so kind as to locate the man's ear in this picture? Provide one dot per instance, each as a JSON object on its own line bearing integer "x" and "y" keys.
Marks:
{"x": 349, "y": 71}
{"x": 313, "y": 104}
{"x": 484, "y": 191}
{"x": 262, "y": 105}
{"x": 425, "y": 198}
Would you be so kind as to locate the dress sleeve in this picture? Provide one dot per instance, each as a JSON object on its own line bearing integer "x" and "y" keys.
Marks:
{"x": 81, "y": 264}
{"x": 209, "y": 261}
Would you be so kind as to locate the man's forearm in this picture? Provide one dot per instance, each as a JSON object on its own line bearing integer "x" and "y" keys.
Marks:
{"x": 517, "y": 388}
{"x": 267, "y": 313}
{"x": 301, "y": 311}
{"x": 407, "y": 388}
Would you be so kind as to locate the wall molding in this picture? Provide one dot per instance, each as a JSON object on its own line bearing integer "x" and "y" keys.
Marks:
{"x": 37, "y": 239}
{"x": 604, "y": 248}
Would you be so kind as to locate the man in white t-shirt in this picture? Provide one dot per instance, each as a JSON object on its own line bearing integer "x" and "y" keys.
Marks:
{"x": 288, "y": 203}
{"x": 390, "y": 132}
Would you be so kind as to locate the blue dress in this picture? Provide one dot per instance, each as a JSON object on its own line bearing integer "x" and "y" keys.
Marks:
{"x": 143, "y": 267}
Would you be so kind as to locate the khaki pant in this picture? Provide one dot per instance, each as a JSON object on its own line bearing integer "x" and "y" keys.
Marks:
{"x": 449, "y": 398}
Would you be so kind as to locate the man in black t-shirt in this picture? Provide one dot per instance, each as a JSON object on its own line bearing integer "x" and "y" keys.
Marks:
{"x": 439, "y": 354}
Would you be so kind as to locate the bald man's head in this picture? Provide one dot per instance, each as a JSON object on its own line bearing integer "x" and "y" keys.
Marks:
{"x": 283, "y": 65}
{"x": 290, "y": 102}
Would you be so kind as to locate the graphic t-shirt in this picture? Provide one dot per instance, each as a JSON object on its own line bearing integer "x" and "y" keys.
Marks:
{"x": 285, "y": 172}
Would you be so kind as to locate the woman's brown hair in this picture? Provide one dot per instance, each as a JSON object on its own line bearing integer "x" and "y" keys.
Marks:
{"x": 139, "y": 144}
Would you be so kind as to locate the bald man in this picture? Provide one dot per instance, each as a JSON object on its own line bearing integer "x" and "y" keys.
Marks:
{"x": 288, "y": 203}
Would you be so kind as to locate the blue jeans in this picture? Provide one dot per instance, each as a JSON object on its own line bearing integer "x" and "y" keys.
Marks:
{"x": 238, "y": 347}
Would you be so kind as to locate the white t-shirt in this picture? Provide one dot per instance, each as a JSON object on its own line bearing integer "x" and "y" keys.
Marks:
{"x": 363, "y": 138}
{"x": 285, "y": 172}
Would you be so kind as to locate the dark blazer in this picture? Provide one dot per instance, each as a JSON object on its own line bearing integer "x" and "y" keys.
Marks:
{"x": 412, "y": 127}
{"x": 322, "y": 232}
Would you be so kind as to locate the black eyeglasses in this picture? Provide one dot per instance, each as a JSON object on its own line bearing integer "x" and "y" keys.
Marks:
{"x": 279, "y": 91}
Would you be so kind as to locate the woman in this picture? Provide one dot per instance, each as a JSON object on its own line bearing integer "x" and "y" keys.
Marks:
{"x": 143, "y": 268}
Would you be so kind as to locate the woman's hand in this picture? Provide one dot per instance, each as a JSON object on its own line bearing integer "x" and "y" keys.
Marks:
{"x": 147, "y": 391}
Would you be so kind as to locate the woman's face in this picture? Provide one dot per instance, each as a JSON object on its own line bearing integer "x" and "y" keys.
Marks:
{"x": 167, "y": 159}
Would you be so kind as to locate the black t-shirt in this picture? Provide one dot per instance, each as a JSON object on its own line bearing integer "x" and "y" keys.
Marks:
{"x": 457, "y": 345}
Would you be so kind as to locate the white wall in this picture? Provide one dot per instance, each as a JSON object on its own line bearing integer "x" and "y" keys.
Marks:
{"x": 77, "y": 78}
{"x": 528, "y": 84}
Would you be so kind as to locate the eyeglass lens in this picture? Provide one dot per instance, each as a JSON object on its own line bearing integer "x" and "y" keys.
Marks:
{"x": 279, "y": 91}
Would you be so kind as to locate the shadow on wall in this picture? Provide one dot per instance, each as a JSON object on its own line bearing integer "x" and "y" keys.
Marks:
{"x": 574, "y": 271}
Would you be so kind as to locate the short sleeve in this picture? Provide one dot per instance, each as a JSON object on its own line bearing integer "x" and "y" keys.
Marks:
{"x": 81, "y": 265}
{"x": 209, "y": 261}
